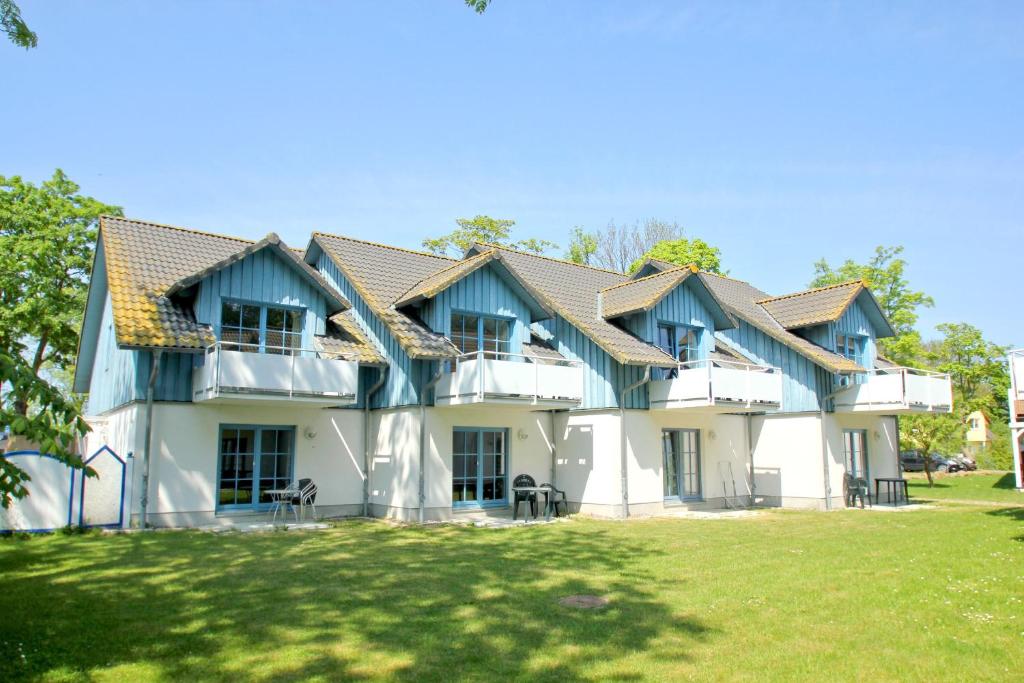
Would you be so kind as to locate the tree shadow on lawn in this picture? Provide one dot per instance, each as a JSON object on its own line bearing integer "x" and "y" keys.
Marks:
{"x": 363, "y": 601}
{"x": 1015, "y": 513}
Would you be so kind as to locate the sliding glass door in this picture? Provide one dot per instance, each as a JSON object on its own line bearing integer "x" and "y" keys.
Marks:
{"x": 253, "y": 459}
{"x": 479, "y": 467}
{"x": 681, "y": 462}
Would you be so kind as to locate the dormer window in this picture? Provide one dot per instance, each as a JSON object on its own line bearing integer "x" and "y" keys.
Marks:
{"x": 472, "y": 333}
{"x": 848, "y": 346}
{"x": 258, "y": 328}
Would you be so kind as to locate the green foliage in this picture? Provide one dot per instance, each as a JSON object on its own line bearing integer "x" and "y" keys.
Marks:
{"x": 683, "y": 252}
{"x": 884, "y": 275}
{"x": 478, "y": 6}
{"x": 931, "y": 433}
{"x": 47, "y": 233}
{"x": 483, "y": 229}
{"x": 582, "y": 247}
{"x": 19, "y": 33}
{"x": 977, "y": 367}
{"x": 53, "y": 424}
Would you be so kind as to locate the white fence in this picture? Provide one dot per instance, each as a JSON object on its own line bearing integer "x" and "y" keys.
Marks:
{"x": 60, "y": 496}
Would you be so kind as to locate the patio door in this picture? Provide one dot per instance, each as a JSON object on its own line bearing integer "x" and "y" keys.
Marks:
{"x": 681, "y": 463}
{"x": 253, "y": 459}
{"x": 855, "y": 448}
{"x": 479, "y": 467}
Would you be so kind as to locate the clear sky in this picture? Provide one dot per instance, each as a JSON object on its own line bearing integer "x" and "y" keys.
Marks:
{"x": 781, "y": 132}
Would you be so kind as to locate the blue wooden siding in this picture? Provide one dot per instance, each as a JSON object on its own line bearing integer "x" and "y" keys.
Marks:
{"x": 680, "y": 307}
{"x": 113, "y": 372}
{"x": 405, "y": 375}
{"x": 263, "y": 277}
{"x": 854, "y": 321}
{"x": 804, "y": 383}
{"x": 484, "y": 292}
{"x": 120, "y": 376}
{"x": 173, "y": 379}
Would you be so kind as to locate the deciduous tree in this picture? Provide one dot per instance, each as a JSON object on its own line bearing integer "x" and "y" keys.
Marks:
{"x": 18, "y": 31}
{"x": 483, "y": 229}
{"x": 582, "y": 246}
{"x": 683, "y": 252}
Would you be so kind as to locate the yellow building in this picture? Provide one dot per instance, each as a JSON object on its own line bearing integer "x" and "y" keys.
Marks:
{"x": 979, "y": 435}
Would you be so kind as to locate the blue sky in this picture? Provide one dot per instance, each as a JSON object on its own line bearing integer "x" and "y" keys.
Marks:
{"x": 781, "y": 132}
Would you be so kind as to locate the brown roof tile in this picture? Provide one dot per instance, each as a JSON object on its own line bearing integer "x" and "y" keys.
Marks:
{"x": 641, "y": 294}
{"x": 381, "y": 274}
{"x": 813, "y": 306}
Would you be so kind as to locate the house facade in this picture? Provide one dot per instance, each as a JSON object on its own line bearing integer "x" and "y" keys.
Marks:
{"x": 414, "y": 386}
{"x": 1016, "y": 413}
{"x": 978, "y": 435}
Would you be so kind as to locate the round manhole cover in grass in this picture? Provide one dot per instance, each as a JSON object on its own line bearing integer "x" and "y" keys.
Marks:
{"x": 584, "y": 601}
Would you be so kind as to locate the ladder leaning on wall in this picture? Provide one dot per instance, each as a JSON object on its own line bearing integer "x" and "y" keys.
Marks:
{"x": 733, "y": 502}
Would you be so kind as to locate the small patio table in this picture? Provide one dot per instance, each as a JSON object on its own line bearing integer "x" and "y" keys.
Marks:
{"x": 281, "y": 497}
{"x": 548, "y": 497}
{"x": 892, "y": 487}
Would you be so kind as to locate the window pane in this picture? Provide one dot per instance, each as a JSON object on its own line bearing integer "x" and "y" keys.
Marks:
{"x": 246, "y": 440}
{"x": 230, "y": 314}
{"x": 293, "y": 321}
{"x": 268, "y": 441}
{"x": 251, "y": 317}
{"x": 275, "y": 319}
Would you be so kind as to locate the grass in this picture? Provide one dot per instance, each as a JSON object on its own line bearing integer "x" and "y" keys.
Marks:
{"x": 928, "y": 595}
{"x": 995, "y": 487}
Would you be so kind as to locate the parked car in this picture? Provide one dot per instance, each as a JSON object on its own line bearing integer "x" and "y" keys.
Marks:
{"x": 913, "y": 461}
{"x": 961, "y": 463}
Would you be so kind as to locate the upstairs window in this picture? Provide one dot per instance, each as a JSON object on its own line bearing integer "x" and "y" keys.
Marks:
{"x": 260, "y": 329}
{"x": 848, "y": 346}
{"x": 472, "y": 333}
{"x": 682, "y": 343}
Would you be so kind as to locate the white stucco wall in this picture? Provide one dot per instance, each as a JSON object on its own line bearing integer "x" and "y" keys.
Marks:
{"x": 588, "y": 457}
{"x": 882, "y": 445}
{"x": 394, "y": 478}
{"x": 183, "y": 469}
{"x": 788, "y": 466}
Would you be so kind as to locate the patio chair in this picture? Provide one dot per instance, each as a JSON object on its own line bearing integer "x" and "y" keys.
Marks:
{"x": 529, "y": 497}
{"x": 306, "y": 497}
{"x": 557, "y": 498}
{"x": 285, "y": 497}
{"x": 856, "y": 487}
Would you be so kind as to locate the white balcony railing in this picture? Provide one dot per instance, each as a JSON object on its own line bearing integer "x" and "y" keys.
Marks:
{"x": 511, "y": 379}
{"x": 719, "y": 385}
{"x": 896, "y": 390}
{"x": 302, "y": 375}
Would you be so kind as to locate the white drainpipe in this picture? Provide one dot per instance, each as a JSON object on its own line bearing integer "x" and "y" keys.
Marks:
{"x": 366, "y": 438}
{"x": 423, "y": 437}
{"x": 148, "y": 446}
{"x": 624, "y": 464}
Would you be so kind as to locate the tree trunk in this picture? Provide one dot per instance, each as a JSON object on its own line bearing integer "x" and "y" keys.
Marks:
{"x": 928, "y": 470}
{"x": 21, "y": 405}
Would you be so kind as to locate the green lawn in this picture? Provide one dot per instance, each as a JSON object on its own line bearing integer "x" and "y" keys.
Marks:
{"x": 928, "y": 594}
{"x": 996, "y": 487}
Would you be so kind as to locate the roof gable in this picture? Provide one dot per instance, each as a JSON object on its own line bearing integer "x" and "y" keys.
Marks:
{"x": 741, "y": 299}
{"x": 380, "y": 274}
{"x": 441, "y": 280}
{"x": 273, "y": 244}
{"x": 643, "y": 294}
{"x": 825, "y": 305}
{"x": 570, "y": 290}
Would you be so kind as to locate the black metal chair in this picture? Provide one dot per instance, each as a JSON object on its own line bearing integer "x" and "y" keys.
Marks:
{"x": 557, "y": 498}
{"x": 518, "y": 497}
{"x": 306, "y": 496}
{"x": 856, "y": 487}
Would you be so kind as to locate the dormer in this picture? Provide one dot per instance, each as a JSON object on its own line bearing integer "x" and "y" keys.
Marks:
{"x": 671, "y": 308}
{"x": 844, "y": 318}
{"x": 478, "y": 303}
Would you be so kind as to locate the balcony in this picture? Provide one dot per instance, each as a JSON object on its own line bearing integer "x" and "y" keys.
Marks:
{"x": 894, "y": 391}
{"x": 719, "y": 386}
{"x": 511, "y": 380}
{"x": 1017, "y": 387}
{"x": 300, "y": 376}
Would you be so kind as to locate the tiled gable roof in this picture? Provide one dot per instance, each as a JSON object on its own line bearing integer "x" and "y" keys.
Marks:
{"x": 346, "y": 338}
{"x": 145, "y": 259}
{"x": 641, "y": 294}
{"x": 381, "y": 274}
{"x": 290, "y": 256}
{"x": 813, "y": 306}
{"x": 570, "y": 289}
{"x": 148, "y": 262}
{"x": 741, "y": 298}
